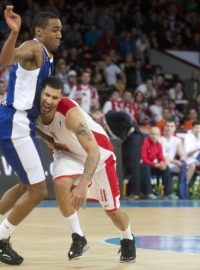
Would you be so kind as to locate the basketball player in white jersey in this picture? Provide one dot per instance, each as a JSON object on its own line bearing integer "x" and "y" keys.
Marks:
{"x": 83, "y": 156}
{"x": 31, "y": 64}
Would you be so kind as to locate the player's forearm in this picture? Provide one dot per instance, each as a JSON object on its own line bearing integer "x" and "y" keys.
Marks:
{"x": 91, "y": 164}
{"x": 7, "y": 51}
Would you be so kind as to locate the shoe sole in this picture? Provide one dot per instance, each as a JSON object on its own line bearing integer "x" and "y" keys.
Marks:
{"x": 79, "y": 257}
{"x": 132, "y": 261}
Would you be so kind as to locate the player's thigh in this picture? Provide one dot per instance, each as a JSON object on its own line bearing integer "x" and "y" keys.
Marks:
{"x": 24, "y": 156}
{"x": 105, "y": 184}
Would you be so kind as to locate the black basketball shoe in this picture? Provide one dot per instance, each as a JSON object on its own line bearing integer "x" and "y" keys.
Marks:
{"x": 127, "y": 250}
{"x": 7, "y": 254}
{"x": 78, "y": 246}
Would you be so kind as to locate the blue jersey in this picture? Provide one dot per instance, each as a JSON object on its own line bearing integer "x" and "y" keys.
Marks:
{"x": 24, "y": 87}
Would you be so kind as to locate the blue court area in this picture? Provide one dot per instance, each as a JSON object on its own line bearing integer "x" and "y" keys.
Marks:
{"x": 180, "y": 203}
{"x": 185, "y": 244}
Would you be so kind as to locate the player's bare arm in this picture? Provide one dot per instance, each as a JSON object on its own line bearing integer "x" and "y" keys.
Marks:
{"x": 13, "y": 21}
{"x": 76, "y": 122}
{"x": 29, "y": 54}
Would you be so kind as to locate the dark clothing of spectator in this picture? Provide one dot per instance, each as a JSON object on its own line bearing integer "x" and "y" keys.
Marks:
{"x": 122, "y": 126}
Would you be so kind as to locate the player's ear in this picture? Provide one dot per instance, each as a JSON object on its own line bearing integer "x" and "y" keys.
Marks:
{"x": 38, "y": 33}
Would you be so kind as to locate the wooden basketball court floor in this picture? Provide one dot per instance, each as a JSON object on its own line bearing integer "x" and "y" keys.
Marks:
{"x": 167, "y": 236}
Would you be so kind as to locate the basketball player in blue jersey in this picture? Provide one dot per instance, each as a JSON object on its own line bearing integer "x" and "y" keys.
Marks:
{"x": 31, "y": 64}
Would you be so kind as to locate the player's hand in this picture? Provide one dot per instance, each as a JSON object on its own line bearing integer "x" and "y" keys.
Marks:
{"x": 79, "y": 195}
{"x": 13, "y": 20}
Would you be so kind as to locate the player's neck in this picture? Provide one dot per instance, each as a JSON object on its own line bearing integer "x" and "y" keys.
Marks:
{"x": 47, "y": 118}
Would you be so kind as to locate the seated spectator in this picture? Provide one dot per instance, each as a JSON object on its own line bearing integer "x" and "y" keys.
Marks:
{"x": 61, "y": 72}
{"x": 141, "y": 108}
{"x": 156, "y": 110}
{"x": 71, "y": 82}
{"x": 112, "y": 72}
{"x": 192, "y": 116}
{"x": 162, "y": 122}
{"x": 85, "y": 94}
{"x": 153, "y": 164}
{"x": 192, "y": 85}
{"x": 128, "y": 105}
{"x": 114, "y": 103}
{"x": 91, "y": 36}
{"x": 176, "y": 92}
{"x": 147, "y": 89}
{"x": 174, "y": 155}
{"x": 106, "y": 42}
{"x": 191, "y": 146}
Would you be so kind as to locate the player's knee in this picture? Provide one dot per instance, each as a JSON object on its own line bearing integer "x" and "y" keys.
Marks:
{"x": 112, "y": 213}
{"x": 61, "y": 184}
{"x": 39, "y": 191}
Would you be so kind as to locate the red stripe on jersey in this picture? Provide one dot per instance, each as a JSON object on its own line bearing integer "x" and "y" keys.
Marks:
{"x": 65, "y": 105}
{"x": 112, "y": 178}
{"x": 103, "y": 141}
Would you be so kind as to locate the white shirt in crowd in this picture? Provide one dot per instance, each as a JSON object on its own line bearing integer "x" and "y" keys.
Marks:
{"x": 111, "y": 73}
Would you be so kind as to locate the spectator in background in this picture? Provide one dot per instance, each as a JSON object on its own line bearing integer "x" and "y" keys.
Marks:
{"x": 147, "y": 89}
{"x": 176, "y": 92}
{"x": 2, "y": 90}
{"x": 162, "y": 122}
{"x": 153, "y": 164}
{"x": 61, "y": 72}
{"x": 172, "y": 147}
{"x": 85, "y": 94}
{"x": 139, "y": 74}
{"x": 142, "y": 47}
{"x": 191, "y": 146}
{"x": 126, "y": 44}
{"x": 106, "y": 42}
{"x": 192, "y": 116}
{"x": 114, "y": 103}
{"x": 91, "y": 36}
{"x": 128, "y": 105}
{"x": 156, "y": 110}
{"x": 192, "y": 86}
{"x": 160, "y": 86}
{"x": 71, "y": 82}
{"x": 112, "y": 72}
{"x": 128, "y": 68}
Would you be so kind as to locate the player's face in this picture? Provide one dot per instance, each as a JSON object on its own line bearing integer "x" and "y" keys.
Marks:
{"x": 49, "y": 99}
{"x": 51, "y": 35}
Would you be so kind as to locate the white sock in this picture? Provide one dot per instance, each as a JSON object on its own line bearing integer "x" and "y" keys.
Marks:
{"x": 127, "y": 233}
{"x": 6, "y": 228}
{"x": 73, "y": 224}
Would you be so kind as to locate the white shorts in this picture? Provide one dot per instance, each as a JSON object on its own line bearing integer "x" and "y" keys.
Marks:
{"x": 104, "y": 183}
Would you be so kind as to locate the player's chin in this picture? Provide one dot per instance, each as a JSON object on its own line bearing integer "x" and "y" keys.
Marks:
{"x": 54, "y": 48}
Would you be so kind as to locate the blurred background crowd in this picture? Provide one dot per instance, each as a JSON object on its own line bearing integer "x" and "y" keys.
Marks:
{"x": 103, "y": 61}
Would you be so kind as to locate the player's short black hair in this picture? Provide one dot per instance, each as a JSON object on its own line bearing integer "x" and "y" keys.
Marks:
{"x": 53, "y": 82}
{"x": 42, "y": 18}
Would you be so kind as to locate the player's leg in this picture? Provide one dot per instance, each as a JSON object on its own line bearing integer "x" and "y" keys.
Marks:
{"x": 64, "y": 166}
{"x": 108, "y": 195}
{"x": 9, "y": 198}
{"x": 29, "y": 169}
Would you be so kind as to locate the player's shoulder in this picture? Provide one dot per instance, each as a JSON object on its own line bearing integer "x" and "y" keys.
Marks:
{"x": 32, "y": 43}
{"x": 65, "y": 104}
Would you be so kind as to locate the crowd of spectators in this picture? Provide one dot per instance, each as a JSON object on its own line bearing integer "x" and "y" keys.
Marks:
{"x": 103, "y": 59}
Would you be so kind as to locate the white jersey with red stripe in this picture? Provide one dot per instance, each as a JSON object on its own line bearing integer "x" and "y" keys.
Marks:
{"x": 67, "y": 140}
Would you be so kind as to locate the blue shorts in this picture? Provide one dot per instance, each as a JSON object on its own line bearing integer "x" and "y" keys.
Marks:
{"x": 19, "y": 145}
